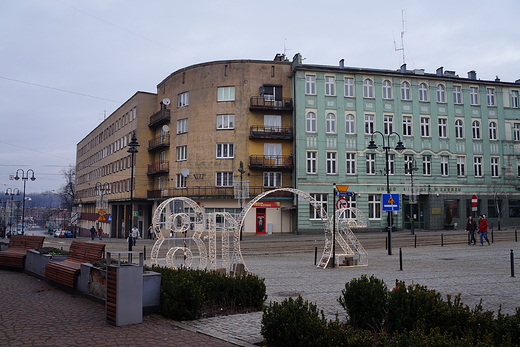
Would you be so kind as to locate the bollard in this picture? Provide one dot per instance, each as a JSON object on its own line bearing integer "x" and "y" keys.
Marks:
{"x": 415, "y": 242}
{"x": 512, "y": 255}
{"x": 492, "y": 235}
{"x": 442, "y": 240}
{"x": 315, "y": 255}
{"x": 400, "y": 259}
{"x": 144, "y": 252}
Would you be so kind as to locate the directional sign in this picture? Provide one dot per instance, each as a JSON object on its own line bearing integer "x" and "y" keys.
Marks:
{"x": 391, "y": 202}
{"x": 341, "y": 203}
{"x": 345, "y": 193}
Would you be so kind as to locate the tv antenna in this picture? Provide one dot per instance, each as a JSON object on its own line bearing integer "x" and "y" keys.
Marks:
{"x": 403, "y": 20}
{"x": 285, "y": 49}
{"x": 104, "y": 114}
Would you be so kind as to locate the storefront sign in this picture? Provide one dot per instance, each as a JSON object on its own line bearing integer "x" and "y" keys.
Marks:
{"x": 266, "y": 204}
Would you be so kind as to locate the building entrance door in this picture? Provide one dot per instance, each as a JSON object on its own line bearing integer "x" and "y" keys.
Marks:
{"x": 260, "y": 220}
{"x": 414, "y": 212}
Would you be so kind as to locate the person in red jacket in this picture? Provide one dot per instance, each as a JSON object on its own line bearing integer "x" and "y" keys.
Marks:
{"x": 483, "y": 229}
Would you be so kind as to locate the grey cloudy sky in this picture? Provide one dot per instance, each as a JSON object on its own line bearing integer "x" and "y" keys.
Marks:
{"x": 65, "y": 63}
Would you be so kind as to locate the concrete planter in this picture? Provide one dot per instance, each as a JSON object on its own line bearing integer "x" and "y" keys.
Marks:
{"x": 151, "y": 292}
{"x": 35, "y": 262}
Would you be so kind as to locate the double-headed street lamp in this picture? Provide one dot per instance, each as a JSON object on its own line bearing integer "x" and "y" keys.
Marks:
{"x": 411, "y": 168}
{"x": 12, "y": 192}
{"x": 386, "y": 146}
{"x": 25, "y": 177}
{"x": 132, "y": 149}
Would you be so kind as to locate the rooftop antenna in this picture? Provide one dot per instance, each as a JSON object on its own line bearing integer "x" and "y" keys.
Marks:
{"x": 104, "y": 114}
{"x": 403, "y": 20}
{"x": 285, "y": 49}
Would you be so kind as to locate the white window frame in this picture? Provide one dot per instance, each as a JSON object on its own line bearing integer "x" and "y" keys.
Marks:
{"x": 388, "y": 124}
{"x": 475, "y": 130}
{"x": 407, "y": 126}
{"x": 368, "y": 88}
{"x": 425, "y": 127}
{"x": 225, "y": 150}
{"x": 459, "y": 129}
{"x": 461, "y": 166}
{"x": 514, "y": 99}
{"x": 183, "y": 99}
{"x": 445, "y": 166}
{"x": 443, "y": 127}
{"x": 225, "y": 121}
{"x": 405, "y": 91}
{"x": 387, "y": 90}
{"x": 457, "y": 95}
{"x": 495, "y": 172}
{"x": 349, "y": 87}
{"x": 423, "y": 92}
{"x": 350, "y": 124}
{"x": 311, "y": 162}
{"x": 473, "y": 96}
{"x": 332, "y": 163}
{"x": 370, "y": 126}
{"x": 182, "y": 126}
{"x": 493, "y": 131}
{"x": 516, "y": 131}
{"x": 330, "y": 86}
{"x": 272, "y": 179}
{"x": 226, "y": 93}
{"x": 350, "y": 163}
{"x": 490, "y": 94}
{"x": 391, "y": 164}
{"x": 311, "y": 122}
{"x": 180, "y": 181}
{"x": 321, "y": 200}
{"x": 477, "y": 167}
{"x": 427, "y": 165}
{"x": 310, "y": 84}
{"x": 330, "y": 123}
{"x": 182, "y": 153}
{"x": 374, "y": 206}
{"x": 370, "y": 168}
{"x": 224, "y": 179}
{"x": 441, "y": 94}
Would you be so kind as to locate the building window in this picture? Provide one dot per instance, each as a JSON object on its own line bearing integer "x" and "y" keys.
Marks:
{"x": 350, "y": 163}
{"x": 224, "y": 179}
{"x": 477, "y": 166}
{"x": 225, "y": 121}
{"x": 514, "y": 208}
{"x": 388, "y": 124}
{"x": 310, "y": 85}
{"x": 493, "y": 131}
{"x": 183, "y": 99}
{"x": 182, "y": 126}
{"x": 408, "y": 161}
{"x": 443, "y": 127}
{"x": 457, "y": 94}
{"x": 391, "y": 164}
{"x": 349, "y": 87}
{"x": 441, "y": 93}
{"x": 349, "y": 214}
{"x": 473, "y": 95}
{"x": 330, "y": 121}
{"x": 425, "y": 127}
{"x": 315, "y": 207}
{"x": 514, "y": 99}
{"x": 445, "y": 166}
{"x": 180, "y": 181}
{"x": 331, "y": 163}
{"x": 369, "y": 124}
{"x": 423, "y": 92}
{"x": 461, "y": 167}
{"x": 387, "y": 89}
{"x": 225, "y": 150}
{"x": 311, "y": 122}
{"x": 407, "y": 126}
{"x": 312, "y": 157}
{"x": 330, "y": 86}
{"x": 374, "y": 206}
{"x": 182, "y": 153}
{"x": 350, "y": 124}
{"x": 225, "y": 93}
{"x": 494, "y": 167}
{"x": 272, "y": 179}
{"x": 490, "y": 92}
{"x": 427, "y": 165}
{"x": 368, "y": 88}
{"x": 370, "y": 163}
{"x": 459, "y": 133}
{"x": 516, "y": 131}
{"x": 475, "y": 128}
{"x": 405, "y": 91}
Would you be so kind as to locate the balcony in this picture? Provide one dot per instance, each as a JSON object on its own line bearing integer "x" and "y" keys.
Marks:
{"x": 159, "y": 142}
{"x": 162, "y": 166}
{"x": 270, "y": 132}
{"x": 212, "y": 193}
{"x": 160, "y": 117}
{"x": 270, "y": 162}
{"x": 267, "y": 102}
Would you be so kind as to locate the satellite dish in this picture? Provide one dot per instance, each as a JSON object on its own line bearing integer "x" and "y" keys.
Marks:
{"x": 166, "y": 101}
{"x": 185, "y": 172}
{"x": 261, "y": 90}
{"x": 165, "y": 128}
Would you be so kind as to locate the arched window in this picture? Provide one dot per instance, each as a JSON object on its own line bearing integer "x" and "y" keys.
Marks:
{"x": 493, "y": 131}
{"x": 387, "y": 89}
{"x": 311, "y": 122}
{"x": 475, "y": 128}
{"x": 405, "y": 91}
{"x": 349, "y": 124}
{"x": 441, "y": 93}
{"x": 330, "y": 121}
{"x": 368, "y": 88}
{"x": 459, "y": 134}
{"x": 423, "y": 92}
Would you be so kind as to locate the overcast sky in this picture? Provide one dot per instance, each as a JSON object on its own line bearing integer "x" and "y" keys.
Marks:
{"x": 66, "y": 63}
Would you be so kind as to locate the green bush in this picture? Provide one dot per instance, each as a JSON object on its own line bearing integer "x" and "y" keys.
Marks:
{"x": 52, "y": 251}
{"x": 365, "y": 301}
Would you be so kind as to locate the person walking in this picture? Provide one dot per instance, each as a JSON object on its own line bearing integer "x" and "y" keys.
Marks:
{"x": 471, "y": 226}
{"x": 483, "y": 229}
{"x": 92, "y": 233}
{"x": 100, "y": 233}
{"x": 134, "y": 235}
{"x": 151, "y": 233}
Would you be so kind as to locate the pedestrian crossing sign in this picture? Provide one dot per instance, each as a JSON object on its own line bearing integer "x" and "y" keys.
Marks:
{"x": 391, "y": 202}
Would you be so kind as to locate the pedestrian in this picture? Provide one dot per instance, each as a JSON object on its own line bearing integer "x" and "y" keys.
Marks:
{"x": 471, "y": 226}
{"x": 151, "y": 233}
{"x": 92, "y": 232}
{"x": 483, "y": 229}
{"x": 134, "y": 234}
{"x": 100, "y": 233}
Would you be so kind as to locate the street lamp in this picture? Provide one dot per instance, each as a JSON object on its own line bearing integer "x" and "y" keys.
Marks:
{"x": 400, "y": 147}
{"x": 241, "y": 196}
{"x": 25, "y": 177}
{"x": 11, "y": 192}
{"x": 132, "y": 149}
{"x": 411, "y": 168}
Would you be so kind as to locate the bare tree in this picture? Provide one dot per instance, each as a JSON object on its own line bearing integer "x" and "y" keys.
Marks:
{"x": 66, "y": 192}
{"x": 500, "y": 196}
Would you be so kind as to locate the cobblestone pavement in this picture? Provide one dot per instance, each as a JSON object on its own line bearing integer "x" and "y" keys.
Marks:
{"x": 441, "y": 262}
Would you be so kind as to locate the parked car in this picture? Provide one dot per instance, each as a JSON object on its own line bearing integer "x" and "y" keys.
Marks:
{"x": 69, "y": 234}
{"x": 60, "y": 233}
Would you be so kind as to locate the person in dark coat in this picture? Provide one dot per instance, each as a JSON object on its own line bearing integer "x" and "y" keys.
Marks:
{"x": 471, "y": 227}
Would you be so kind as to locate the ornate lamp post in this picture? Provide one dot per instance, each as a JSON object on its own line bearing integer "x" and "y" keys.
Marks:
{"x": 11, "y": 192}
{"x": 25, "y": 177}
{"x": 241, "y": 197}
{"x": 132, "y": 149}
{"x": 411, "y": 168}
{"x": 386, "y": 146}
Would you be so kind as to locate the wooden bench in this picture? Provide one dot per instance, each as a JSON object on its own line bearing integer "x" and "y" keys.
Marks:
{"x": 64, "y": 272}
{"x": 14, "y": 255}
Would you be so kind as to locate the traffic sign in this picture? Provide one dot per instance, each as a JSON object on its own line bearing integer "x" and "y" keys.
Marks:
{"x": 341, "y": 187}
{"x": 474, "y": 201}
{"x": 391, "y": 202}
{"x": 342, "y": 203}
{"x": 345, "y": 193}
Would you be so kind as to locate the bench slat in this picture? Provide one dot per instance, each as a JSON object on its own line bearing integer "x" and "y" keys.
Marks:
{"x": 14, "y": 255}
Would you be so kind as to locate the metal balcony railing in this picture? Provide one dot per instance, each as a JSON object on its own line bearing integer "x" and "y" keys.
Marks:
{"x": 270, "y": 162}
{"x": 159, "y": 142}
{"x": 266, "y": 103}
{"x": 211, "y": 192}
{"x": 162, "y": 166}
{"x": 270, "y": 132}
{"x": 159, "y": 117}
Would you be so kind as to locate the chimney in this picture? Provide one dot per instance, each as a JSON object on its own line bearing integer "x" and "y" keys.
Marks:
{"x": 403, "y": 68}
{"x": 440, "y": 71}
{"x": 342, "y": 64}
{"x": 472, "y": 75}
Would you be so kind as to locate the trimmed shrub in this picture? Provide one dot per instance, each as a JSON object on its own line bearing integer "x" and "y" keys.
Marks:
{"x": 365, "y": 301}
